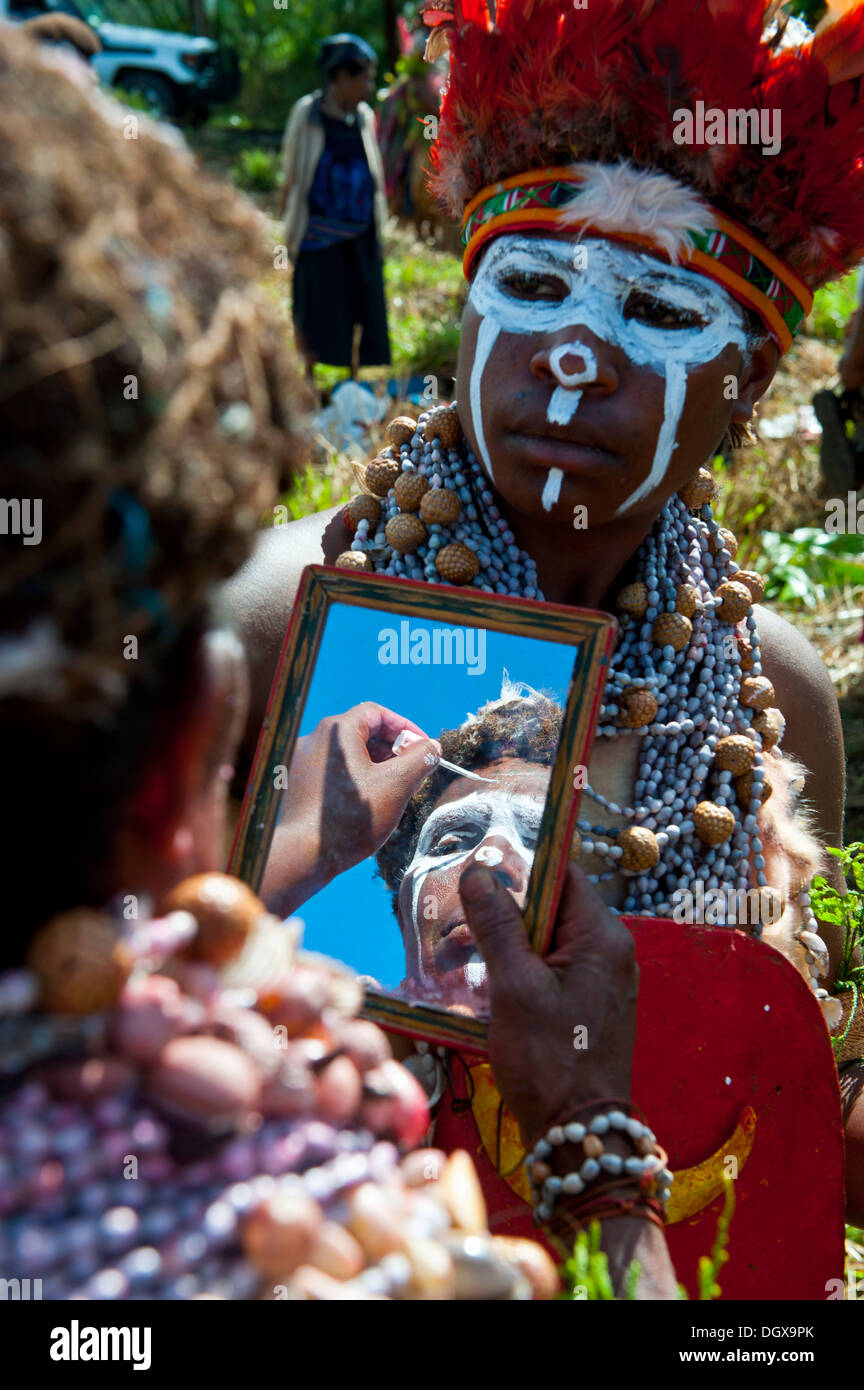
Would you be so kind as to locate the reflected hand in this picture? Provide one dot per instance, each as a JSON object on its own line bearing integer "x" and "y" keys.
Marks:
{"x": 345, "y": 795}
{"x": 589, "y": 981}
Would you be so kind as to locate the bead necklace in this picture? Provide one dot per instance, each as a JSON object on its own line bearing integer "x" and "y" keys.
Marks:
{"x": 685, "y": 678}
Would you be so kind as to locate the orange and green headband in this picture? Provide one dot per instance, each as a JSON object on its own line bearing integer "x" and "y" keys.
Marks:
{"x": 726, "y": 252}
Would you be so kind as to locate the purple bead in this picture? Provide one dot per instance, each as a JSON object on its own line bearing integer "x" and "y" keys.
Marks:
{"x": 95, "y": 1198}
{"x": 184, "y": 1252}
{"x": 78, "y": 1236}
{"x": 31, "y": 1098}
{"x": 241, "y": 1197}
{"x": 382, "y": 1160}
{"x": 31, "y": 1141}
{"x": 36, "y": 1250}
{"x": 184, "y": 1287}
{"x": 112, "y": 1112}
{"x": 219, "y": 1223}
{"x": 107, "y": 1285}
{"x": 73, "y": 1138}
{"x": 116, "y": 1145}
{"x": 149, "y": 1135}
{"x": 158, "y": 1223}
{"x": 319, "y": 1184}
{"x": 238, "y": 1160}
{"x": 156, "y": 1167}
{"x": 141, "y": 1266}
{"x": 321, "y": 1143}
{"x": 118, "y": 1228}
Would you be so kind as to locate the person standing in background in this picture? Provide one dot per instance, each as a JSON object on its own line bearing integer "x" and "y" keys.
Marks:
{"x": 334, "y": 206}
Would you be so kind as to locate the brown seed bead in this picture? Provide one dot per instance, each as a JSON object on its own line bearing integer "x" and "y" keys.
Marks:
{"x": 736, "y": 601}
{"x": 699, "y": 490}
{"x": 408, "y": 491}
{"x": 672, "y": 630}
{"x": 353, "y": 560}
{"x": 405, "y": 532}
{"x": 592, "y": 1146}
{"x": 756, "y": 692}
{"x": 744, "y": 790}
{"x": 633, "y": 600}
{"x": 755, "y": 583}
{"x": 724, "y": 539}
{"x": 440, "y": 506}
{"x": 226, "y": 912}
{"x": 771, "y": 725}
{"x": 457, "y": 563}
{"x": 362, "y": 508}
{"x": 539, "y": 1173}
{"x": 80, "y": 963}
{"x": 381, "y": 474}
{"x": 735, "y": 754}
{"x": 643, "y": 1146}
{"x": 687, "y": 599}
{"x": 401, "y": 430}
{"x": 638, "y": 708}
{"x": 443, "y": 423}
{"x": 712, "y": 823}
{"x": 641, "y": 850}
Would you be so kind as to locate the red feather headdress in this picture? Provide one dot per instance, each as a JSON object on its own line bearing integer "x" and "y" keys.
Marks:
{"x": 540, "y": 83}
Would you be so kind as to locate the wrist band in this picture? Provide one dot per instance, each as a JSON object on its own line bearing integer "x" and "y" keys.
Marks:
{"x": 646, "y": 1169}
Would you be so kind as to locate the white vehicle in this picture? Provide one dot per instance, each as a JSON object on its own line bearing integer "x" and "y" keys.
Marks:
{"x": 176, "y": 74}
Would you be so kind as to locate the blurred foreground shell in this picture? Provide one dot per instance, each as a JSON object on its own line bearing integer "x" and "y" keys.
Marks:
{"x": 80, "y": 962}
{"x": 226, "y": 911}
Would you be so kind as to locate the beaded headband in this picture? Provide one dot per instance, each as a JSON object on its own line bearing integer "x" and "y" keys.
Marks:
{"x": 543, "y": 199}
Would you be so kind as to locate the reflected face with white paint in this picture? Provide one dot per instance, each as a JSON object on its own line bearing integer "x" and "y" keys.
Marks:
{"x": 593, "y": 373}
{"x": 495, "y": 825}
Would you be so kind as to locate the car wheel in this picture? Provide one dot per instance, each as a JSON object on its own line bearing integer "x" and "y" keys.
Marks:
{"x": 157, "y": 91}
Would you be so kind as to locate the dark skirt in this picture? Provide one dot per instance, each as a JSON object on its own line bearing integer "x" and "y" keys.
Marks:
{"x": 335, "y": 288}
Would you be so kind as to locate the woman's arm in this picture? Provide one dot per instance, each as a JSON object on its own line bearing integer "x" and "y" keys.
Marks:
{"x": 589, "y": 980}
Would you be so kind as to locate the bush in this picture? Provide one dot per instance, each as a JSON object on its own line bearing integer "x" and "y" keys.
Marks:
{"x": 256, "y": 171}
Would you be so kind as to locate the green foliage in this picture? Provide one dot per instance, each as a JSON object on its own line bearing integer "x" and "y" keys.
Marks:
{"x": 804, "y": 564}
{"x": 256, "y": 170}
{"x": 586, "y": 1273}
{"x": 135, "y": 100}
{"x": 314, "y": 491}
{"x": 711, "y": 1265}
{"x": 276, "y": 46}
{"x": 833, "y": 307}
{"x": 846, "y": 911}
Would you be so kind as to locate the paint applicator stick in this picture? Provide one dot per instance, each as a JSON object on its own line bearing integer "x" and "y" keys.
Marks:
{"x": 402, "y": 741}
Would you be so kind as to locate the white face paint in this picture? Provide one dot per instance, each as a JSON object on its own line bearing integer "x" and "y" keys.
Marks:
{"x": 615, "y": 295}
{"x": 452, "y": 833}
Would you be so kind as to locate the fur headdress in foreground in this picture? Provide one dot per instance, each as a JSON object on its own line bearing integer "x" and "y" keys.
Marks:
{"x": 540, "y": 83}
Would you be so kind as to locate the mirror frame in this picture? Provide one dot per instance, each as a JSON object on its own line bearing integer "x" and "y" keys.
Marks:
{"x": 320, "y": 587}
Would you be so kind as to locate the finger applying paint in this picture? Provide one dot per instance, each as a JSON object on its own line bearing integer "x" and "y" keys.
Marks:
{"x": 496, "y": 925}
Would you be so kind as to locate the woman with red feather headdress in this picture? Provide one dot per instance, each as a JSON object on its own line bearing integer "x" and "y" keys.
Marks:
{"x": 631, "y": 293}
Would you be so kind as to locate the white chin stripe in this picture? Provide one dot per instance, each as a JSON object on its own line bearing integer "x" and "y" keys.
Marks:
{"x": 552, "y": 488}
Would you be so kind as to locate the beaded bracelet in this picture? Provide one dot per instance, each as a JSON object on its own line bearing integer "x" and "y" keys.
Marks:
{"x": 647, "y": 1168}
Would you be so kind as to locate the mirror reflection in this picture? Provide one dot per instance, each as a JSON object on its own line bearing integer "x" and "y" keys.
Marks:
{"x": 431, "y": 748}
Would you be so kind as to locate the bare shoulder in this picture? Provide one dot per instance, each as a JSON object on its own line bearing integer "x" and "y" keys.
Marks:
{"x": 260, "y": 596}
{"x": 814, "y": 732}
